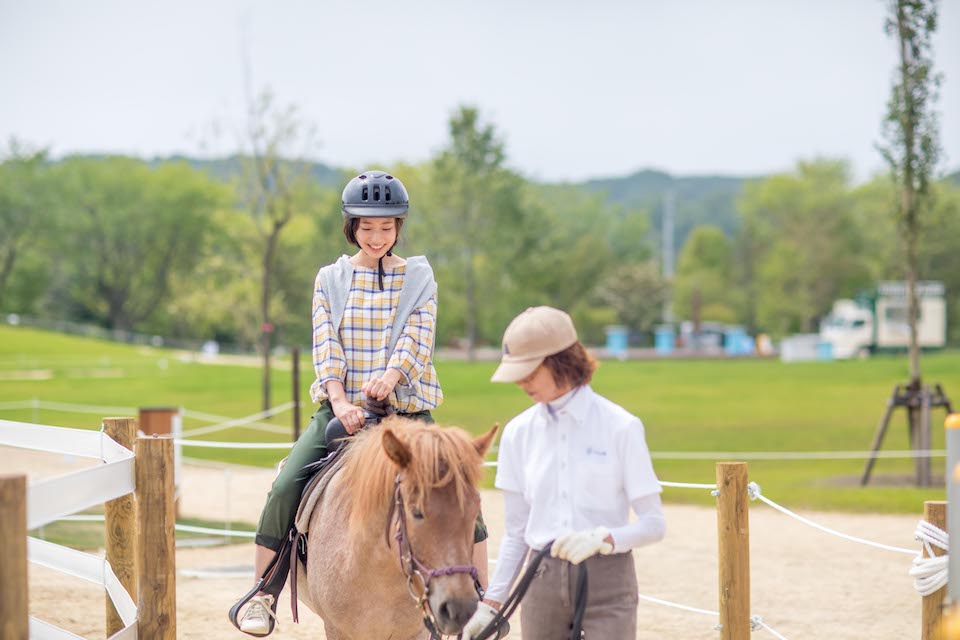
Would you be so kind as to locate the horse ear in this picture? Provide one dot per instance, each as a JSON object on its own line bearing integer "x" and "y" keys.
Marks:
{"x": 396, "y": 450}
{"x": 482, "y": 443}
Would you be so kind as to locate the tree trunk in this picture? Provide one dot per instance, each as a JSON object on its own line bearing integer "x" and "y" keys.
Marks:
{"x": 471, "y": 295}
{"x": 908, "y": 196}
{"x": 266, "y": 329}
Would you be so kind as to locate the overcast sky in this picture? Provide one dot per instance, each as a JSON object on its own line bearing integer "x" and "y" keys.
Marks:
{"x": 578, "y": 89}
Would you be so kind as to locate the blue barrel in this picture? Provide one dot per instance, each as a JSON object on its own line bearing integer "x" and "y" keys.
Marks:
{"x": 617, "y": 340}
{"x": 663, "y": 339}
{"x": 734, "y": 339}
{"x": 824, "y": 350}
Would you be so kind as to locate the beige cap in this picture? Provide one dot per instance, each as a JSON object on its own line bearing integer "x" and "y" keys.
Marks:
{"x": 533, "y": 335}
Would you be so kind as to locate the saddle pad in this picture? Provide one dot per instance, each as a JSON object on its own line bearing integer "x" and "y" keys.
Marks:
{"x": 313, "y": 491}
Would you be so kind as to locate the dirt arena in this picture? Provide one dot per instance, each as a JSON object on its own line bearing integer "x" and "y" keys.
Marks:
{"x": 805, "y": 584}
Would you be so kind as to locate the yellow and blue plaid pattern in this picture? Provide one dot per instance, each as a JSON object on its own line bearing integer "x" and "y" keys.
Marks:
{"x": 361, "y": 349}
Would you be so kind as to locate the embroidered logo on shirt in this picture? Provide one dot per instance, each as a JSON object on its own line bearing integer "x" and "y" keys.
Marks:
{"x": 596, "y": 452}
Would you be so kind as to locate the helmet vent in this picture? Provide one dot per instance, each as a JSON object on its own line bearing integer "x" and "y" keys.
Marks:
{"x": 363, "y": 176}
{"x": 365, "y": 194}
{"x": 376, "y": 193}
{"x": 389, "y": 177}
{"x": 386, "y": 193}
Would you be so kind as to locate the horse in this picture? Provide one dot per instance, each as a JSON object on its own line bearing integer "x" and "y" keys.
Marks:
{"x": 417, "y": 482}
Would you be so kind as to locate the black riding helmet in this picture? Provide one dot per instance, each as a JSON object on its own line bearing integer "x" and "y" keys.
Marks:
{"x": 375, "y": 194}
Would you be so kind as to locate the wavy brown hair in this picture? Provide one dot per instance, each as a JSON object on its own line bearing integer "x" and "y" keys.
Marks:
{"x": 573, "y": 366}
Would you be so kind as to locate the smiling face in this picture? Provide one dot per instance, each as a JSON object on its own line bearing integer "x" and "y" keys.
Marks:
{"x": 376, "y": 236}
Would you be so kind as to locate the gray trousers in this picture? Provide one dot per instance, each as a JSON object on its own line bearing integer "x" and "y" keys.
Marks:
{"x": 546, "y": 611}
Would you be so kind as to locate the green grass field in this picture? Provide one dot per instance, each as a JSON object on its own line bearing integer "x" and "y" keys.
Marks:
{"x": 709, "y": 405}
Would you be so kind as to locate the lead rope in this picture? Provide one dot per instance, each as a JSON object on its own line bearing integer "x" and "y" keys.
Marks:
{"x": 513, "y": 600}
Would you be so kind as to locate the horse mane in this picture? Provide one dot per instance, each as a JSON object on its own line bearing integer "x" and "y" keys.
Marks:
{"x": 439, "y": 456}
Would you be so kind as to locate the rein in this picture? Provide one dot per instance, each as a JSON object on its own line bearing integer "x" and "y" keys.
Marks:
{"x": 413, "y": 568}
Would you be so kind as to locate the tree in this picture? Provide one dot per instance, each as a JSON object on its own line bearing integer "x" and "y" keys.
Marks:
{"x": 911, "y": 134}
{"x": 801, "y": 246}
{"x": 911, "y": 151}
{"x": 273, "y": 143}
{"x": 703, "y": 285}
{"x": 477, "y": 217}
{"x": 132, "y": 231}
{"x": 24, "y": 208}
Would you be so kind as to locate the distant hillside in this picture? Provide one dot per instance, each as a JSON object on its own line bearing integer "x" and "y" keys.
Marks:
{"x": 953, "y": 178}
{"x": 229, "y": 167}
{"x": 697, "y": 199}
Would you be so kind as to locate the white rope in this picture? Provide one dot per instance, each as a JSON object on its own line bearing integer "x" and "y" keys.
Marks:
{"x": 687, "y": 485}
{"x": 218, "y": 532}
{"x": 232, "y": 445}
{"x": 246, "y": 421}
{"x": 684, "y": 607}
{"x": 757, "y": 623}
{"x": 930, "y": 573}
{"x": 753, "y": 489}
{"x": 187, "y": 528}
{"x": 794, "y": 455}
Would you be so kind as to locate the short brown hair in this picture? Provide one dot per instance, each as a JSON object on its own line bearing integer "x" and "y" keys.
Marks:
{"x": 574, "y": 366}
{"x": 350, "y": 229}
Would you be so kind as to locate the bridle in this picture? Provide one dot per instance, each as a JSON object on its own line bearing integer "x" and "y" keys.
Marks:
{"x": 415, "y": 570}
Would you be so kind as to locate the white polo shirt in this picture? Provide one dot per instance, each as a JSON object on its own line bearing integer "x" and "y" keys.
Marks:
{"x": 578, "y": 467}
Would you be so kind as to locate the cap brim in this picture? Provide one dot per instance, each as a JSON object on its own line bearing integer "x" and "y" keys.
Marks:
{"x": 515, "y": 371}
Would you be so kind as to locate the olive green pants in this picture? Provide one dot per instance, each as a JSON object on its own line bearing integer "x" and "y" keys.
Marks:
{"x": 284, "y": 497}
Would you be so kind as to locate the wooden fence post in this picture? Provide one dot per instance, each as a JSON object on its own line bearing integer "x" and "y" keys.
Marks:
{"x": 164, "y": 421}
{"x": 733, "y": 531}
{"x": 14, "y": 611}
{"x": 120, "y": 525}
{"x": 934, "y": 512}
{"x": 156, "y": 560}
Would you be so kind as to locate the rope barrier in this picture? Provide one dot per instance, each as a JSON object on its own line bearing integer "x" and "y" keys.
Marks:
{"x": 930, "y": 573}
{"x": 755, "y": 494}
{"x": 795, "y": 455}
{"x": 186, "y": 528}
{"x": 756, "y": 622}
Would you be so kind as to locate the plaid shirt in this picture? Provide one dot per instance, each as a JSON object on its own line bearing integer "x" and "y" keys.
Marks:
{"x": 361, "y": 349}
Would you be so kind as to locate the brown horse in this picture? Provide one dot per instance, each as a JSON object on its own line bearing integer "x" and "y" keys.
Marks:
{"x": 394, "y": 530}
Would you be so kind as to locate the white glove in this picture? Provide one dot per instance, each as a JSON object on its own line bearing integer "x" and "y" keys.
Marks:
{"x": 580, "y": 545}
{"x": 481, "y": 618}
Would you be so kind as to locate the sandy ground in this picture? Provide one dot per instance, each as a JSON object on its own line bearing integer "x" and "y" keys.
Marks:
{"x": 805, "y": 584}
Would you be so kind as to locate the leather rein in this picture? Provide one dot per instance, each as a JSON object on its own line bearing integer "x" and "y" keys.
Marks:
{"x": 415, "y": 570}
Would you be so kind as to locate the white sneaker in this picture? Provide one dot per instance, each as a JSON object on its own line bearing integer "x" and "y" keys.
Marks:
{"x": 256, "y": 619}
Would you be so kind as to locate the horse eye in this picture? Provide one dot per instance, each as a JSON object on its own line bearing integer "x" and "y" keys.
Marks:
{"x": 417, "y": 514}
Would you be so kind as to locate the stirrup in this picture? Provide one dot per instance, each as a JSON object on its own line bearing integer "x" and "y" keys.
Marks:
{"x": 271, "y": 582}
{"x": 234, "y": 613}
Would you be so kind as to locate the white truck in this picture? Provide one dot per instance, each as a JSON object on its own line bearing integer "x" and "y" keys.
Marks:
{"x": 877, "y": 321}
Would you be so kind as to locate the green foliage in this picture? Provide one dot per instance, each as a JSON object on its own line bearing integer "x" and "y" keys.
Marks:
{"x": 800, "y": 247}
{"x": 25, "y": 216}
{"x": 704, "y": 279}
{"x": 130, "y": 230}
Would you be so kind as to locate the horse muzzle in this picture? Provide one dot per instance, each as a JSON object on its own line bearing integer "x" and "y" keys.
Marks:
{"x": 452, "y": 614}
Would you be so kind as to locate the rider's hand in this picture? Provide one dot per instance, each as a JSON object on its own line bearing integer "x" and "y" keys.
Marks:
{"x": 481, "y": 618}
{"x": 350, "y": 415}
{"x": 382, "y": 386}
{"x": 580, "y": 545}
